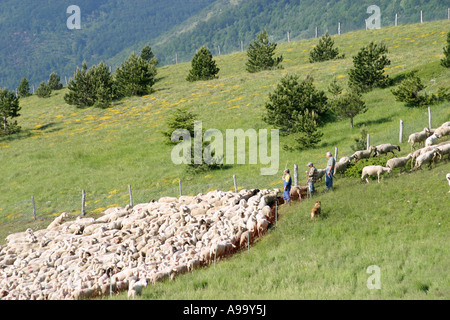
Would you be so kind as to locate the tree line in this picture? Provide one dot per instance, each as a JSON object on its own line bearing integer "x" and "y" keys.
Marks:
{"x": 296, "y": 107}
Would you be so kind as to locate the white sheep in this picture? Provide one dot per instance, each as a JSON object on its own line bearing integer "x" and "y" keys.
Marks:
{"x": 448, "y": 179}
{"x": 363, "y": 154}
{"x": 385, "y": 149}
{"x": 398, "y": 162}
{"x": 428, "y": 157}
{"x": 445, "y": 149}
{"x": 431, "y": 140}
{"x": 419, "y": 137}
{"x": 374, "y": 170}
{"x": 58, "y": 221}
{"x": 443, "y": 131}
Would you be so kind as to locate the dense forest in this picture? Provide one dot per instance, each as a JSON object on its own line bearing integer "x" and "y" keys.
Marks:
{"x": 239, "y": 23}
{"x": 35, "y": 41}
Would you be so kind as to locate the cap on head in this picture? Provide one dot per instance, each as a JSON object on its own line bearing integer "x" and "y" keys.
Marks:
{"x": 287, "y": 170}
{"x": 310, "y": 164}
{"x": 328, "y": 154}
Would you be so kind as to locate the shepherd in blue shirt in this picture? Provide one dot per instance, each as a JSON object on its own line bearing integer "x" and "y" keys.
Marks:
{"x": 287, "y": 185}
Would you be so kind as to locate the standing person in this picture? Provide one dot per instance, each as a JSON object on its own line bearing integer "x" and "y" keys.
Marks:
{"x": 287, "y": 185}
{"x": 329, "y": 171}
{"x": 312, "y": 175}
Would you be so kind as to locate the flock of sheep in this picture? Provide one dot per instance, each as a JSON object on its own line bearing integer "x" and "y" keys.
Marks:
{"x": 425, "y": 155}
{"x": 128, "y": 248}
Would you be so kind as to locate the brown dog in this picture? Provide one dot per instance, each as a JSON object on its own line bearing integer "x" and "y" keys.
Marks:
{"x": 316, "y": 210}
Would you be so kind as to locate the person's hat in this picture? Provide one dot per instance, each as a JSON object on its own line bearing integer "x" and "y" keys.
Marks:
{"x": 310, "y": 164}
{"x": 287, "y": 170}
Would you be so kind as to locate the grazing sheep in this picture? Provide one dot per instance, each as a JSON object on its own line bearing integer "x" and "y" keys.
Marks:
{"x": 346, "y": 159}
{"x": 320, "y": 173}
{"x": 419, "y": 152}
{"x": 419, "y": 137}
{"x": 374, "y": 170}
{"x": 340, "y": 167}
{"x": 445, "y": 149}
{"x": 58, "y": 221}
{"x": 385, "y": 149}
{"x": 448, "y": 179}
{"x": 431, "y": 140}
{"x": 398, "y": 162}
{"x": 444, "y": 129}
{"x": 428, "y": 157}
{"x": 363, "y": 154}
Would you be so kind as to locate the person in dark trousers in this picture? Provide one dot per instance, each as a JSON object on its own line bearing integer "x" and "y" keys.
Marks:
{"x": 329, "y": 171}
{"x": 312, "y": 175}
{"x": 287, "y": 185}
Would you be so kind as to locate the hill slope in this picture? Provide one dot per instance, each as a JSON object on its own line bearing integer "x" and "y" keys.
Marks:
{"x": 63, "y": 150}
{"x": 35, "y": 40}
{"x": 228, "y": 22}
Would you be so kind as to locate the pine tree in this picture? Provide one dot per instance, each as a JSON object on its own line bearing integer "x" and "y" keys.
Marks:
{"x": 81, "y": 93}
{"x": 409, "y": 91}
{"x": 147, "y": 54}
{"x": 44, "y": 90}
{"x": 203, "y": 66}
{"x": 368, "y": 70}
{"x": 324, "y": 50}
{"x": 297, "y": 107}
{"x": 261, "y": 54}
{"x": 9, "y": 109}
{"x": 103, "y": 85}
{"x": 445, "y": 62}
{"x": 54, "y": 82}
{"x": 180, "y": 119}
{"x": 135, "y": 77}
{"x": 349, "y": 105}
{"x": 24, "y": 88}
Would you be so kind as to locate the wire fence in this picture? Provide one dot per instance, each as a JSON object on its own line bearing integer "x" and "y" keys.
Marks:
{"x": 89, "y": 202}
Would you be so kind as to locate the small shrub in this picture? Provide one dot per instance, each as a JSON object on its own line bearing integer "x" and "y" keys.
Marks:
{"x": 324, "y": 50}
{"x": 44, "y": 90}
{"x": 355, "y": 170}
{"x": 203, "y": 66}
{"x": 410, "y": 91}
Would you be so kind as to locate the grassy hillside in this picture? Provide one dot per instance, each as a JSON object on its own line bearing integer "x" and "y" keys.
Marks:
{"x": 400, "y": 226}
{"x": 63, "y": 150}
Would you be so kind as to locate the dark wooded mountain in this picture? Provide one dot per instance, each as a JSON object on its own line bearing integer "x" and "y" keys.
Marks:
{"x": 35, "y": 41}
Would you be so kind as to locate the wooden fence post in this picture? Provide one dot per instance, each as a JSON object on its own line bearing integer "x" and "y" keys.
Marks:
{"x": 131, "y": 196}
{"x": 34, "y": 207}
{"x": 421, "y": 16}
{"x": 335, "y": 153}
{"x": 181, "y": 191}
{"x": 429, "y": 118}
{"x": 83, "y": 201}
{"x": 400, "y": 137}
{"x": 368, "y": 141}
{"x": 396, "y": 19}
{"x": 295, "y": 175}
{"x": 235, "y": 183}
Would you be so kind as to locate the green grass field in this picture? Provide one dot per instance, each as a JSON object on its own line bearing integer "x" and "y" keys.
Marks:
{"x": 400, "y": 225}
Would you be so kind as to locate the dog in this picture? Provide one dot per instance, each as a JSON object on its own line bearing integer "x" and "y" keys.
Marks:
{"x": 316, "y": 211}
{"x": 448, "y": 179}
